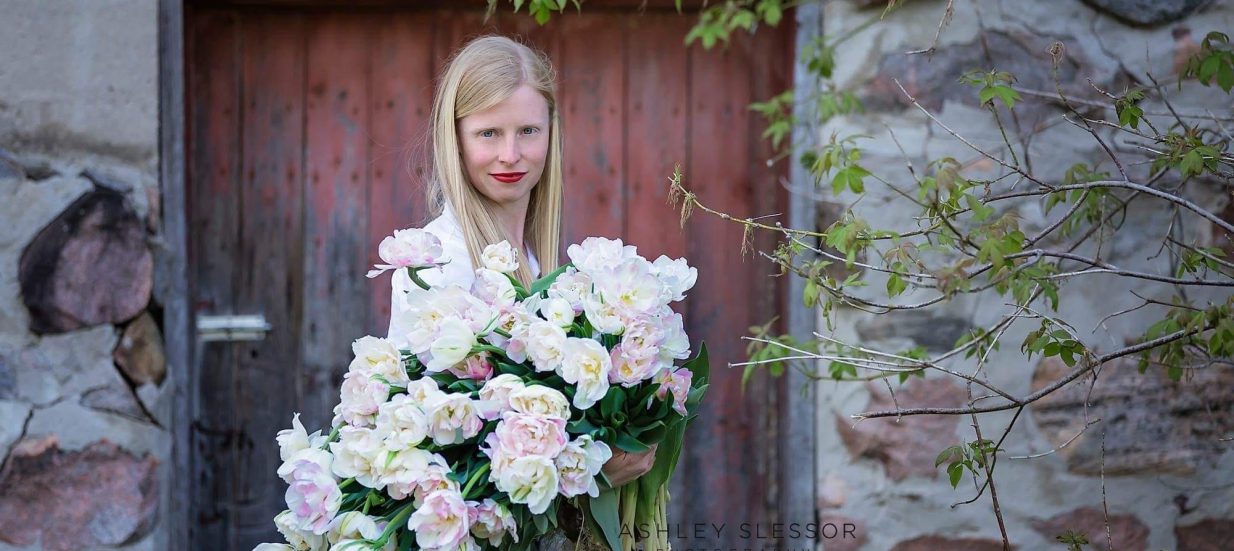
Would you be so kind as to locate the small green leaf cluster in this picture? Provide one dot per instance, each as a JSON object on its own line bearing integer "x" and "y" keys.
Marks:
{"x": 992, "y": 85}
{"x": 1214, "y": 63}
{"x": 973, "y": 456}
{"x": 716, "y": 23}
{"x": 1051, "y": 340}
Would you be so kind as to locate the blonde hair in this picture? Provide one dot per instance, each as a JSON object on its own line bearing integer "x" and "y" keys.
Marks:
{"x": 482, "y": 74}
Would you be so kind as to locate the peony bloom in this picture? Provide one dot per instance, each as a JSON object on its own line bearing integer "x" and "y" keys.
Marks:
{"x": 587, "y": 365}
{"x": 630, "y": 287}
{"x": 295, "y": 439}
{"x": 441, "y": 521}
{"x": 360, "y": 398}
{"x": 410, "y": 248}
{"x": 404, "y": 470}
{"x": 495, "y": 394}
{"x": 500, "y": 257}
{"x": 494, "y": 288}
{"x": 360, "y": 454}
{"x": 376, "y": 357}
{"x": 602, "y": 315}
{"x": 597, "y": 253}
{"x": 530, "y": 480}
{"x": 349, "y": 530}
{"x": 451, "y": 346}
{"x": 436, "y": 477}
{"x": 676, "y": 381}
{"x": 571, "y": 286}
{"x": 629, "y": 370}
{"x": 313, "y": 496}
{"x": 423, "y": 390}
{"x": 540, "y": 400}
{"x": 545, "y": 342}
{"x": 476, "y": 368}
{"x": 401, "y": 423}
{"x": 297, "y": 540}
{"x": 453, "y": 418}
{"x": 492, "y": 521}
{"x": 579, "y": 463}
{"x": 557, "y": 311}
{"x": 524, "y": 434}
{"x": 676, "y": 275}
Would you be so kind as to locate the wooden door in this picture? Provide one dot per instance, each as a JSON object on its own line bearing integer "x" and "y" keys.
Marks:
{"x": 305, "y": 142}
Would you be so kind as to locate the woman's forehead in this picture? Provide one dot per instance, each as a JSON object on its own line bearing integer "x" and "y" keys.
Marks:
{"x": 525, "y": 106}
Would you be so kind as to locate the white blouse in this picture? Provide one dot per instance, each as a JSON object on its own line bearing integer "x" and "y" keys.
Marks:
{"x": 458, "y": 271}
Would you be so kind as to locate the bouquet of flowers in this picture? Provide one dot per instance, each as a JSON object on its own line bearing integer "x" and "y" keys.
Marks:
{"x": 506, "y": 402}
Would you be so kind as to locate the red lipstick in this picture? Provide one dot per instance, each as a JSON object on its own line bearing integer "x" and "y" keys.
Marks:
{"x": 508, "y": 177}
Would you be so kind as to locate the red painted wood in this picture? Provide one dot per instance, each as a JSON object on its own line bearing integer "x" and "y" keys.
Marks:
{"x": 656, "y": 131}
{"x": 336, "y": 240}
{"x": 733, "y": 483}
{"x": 269, "y": 260}
{"x": 400, "y": 101}
{"x": 592, "y": 81}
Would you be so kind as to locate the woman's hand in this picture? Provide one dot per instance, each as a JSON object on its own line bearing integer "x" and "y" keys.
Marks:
{"x": 624, "y": 467}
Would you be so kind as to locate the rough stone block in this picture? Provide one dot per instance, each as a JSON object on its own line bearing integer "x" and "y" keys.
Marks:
{"x": 99, "y": 496}
{"x": 1147, "y": 13}
{"x": 841, "y": 533}
{"x": 89, "y": 266}
{"x": 940, "y": 543}
{"x": 908, "y": 446}
{"x": 139, "y": 355}
{"x": 937, "y": 332}
{"x": 1206, "y": 535}
{"x": 1151, "y": 424}
{"x": 1127, "y": 532}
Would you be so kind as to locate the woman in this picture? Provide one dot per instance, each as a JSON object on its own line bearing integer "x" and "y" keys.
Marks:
{"x": 496, "y": 142}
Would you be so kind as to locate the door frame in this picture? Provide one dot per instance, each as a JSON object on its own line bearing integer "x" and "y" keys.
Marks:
{"x": 795, "y": 499}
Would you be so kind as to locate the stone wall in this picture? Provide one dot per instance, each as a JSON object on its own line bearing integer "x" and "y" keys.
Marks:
{"x": 84, "y": 397}
{"x": 1163, "y": 446}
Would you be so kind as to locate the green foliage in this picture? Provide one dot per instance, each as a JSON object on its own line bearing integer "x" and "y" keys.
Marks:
{"x": 973, "y": 456}
{"x": 541, "y": 10}
{"x": 772, "y": 353}
{"x": 1075, "y": 540}
{"x": 1097, "y": 200}
{"x": 778, "y": 112}
{"x": 1214, "y": 63}
{"x": 1211, "y": 332}
{"x": 1051, "y": 340}
{"x": 717, "y": 23}
{"x": 1127, "y": 107}
{"x": 1188, "y": 153}
{"x": 992, "y": 85}
{"x": 842, "y": 156}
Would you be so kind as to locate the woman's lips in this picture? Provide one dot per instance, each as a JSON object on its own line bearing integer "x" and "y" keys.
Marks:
{"x": 507, "y": 177}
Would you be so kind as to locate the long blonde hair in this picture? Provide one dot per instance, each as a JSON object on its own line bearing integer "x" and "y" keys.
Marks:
{"x": 482, "y": 74}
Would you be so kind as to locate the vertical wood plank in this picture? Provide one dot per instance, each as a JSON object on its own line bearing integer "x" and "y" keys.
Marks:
{"x": 593, "y": 121}
{"x": 269, "y": 257}
{"x": 400, "y": 99}
{"x": 214, "y": 192}
{"x": 730, "y": 482}
{"x": 656, "y": 128}
{"x": 336, "y": 206}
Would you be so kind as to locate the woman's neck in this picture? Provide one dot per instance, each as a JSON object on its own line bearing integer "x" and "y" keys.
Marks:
{"x": 513, "y": 219}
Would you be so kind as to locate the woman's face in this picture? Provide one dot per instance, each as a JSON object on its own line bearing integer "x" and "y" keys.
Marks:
{"x": 504, "y": 146}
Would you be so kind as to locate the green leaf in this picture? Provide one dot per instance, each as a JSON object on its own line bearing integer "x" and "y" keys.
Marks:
{"x": 540, "y": 285}
{"x": 954, "y": 472}
{"x": 895, "y": 285}
{"x": 699, "y": 367}
{"x": 604, "y": 510}
{"x": 629, "y": 444}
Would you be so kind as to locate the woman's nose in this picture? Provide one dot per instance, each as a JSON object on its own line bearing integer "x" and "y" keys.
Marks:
{"x": 510, "y": 153}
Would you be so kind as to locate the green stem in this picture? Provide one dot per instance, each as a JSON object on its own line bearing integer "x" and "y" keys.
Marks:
{"x": 475, "y": 477}
{"x": 411, "y": 272}
{"x": 399, "y": 518}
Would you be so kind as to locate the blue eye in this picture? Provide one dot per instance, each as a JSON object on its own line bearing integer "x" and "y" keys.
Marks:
{"x": 530, "y": 130}
{"x": 487, "y": 133}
